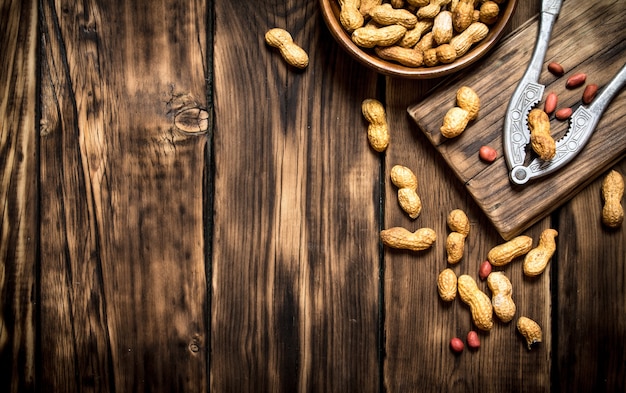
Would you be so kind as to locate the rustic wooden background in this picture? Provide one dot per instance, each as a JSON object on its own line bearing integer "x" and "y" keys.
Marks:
{"x": 181, "y": 211}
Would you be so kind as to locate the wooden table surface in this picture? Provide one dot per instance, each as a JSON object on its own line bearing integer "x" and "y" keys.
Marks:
{"x": 181, "y": 211}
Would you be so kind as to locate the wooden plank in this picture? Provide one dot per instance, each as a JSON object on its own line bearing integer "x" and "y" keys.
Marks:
{"x": 123, "y": 274}
{"x": 295, "y": 250}
{"x": 587, "y": 38}
{"x": 418, "y": 325}
{"x": 121, "y": 291}
{"x": 18, "y": 195}
{"x": 589, "y": 287}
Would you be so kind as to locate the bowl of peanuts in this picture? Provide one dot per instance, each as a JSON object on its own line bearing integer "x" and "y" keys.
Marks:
{"x": 417, "y": 39}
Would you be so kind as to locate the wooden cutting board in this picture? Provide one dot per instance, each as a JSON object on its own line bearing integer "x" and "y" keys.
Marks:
{"x": 588, "y": 37}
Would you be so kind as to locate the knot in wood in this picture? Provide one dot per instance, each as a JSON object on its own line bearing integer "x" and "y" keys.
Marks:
{"x": 192, "y": 120}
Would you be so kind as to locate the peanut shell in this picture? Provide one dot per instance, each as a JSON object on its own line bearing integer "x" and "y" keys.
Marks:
{"x": 446, "y": 285}
{"x": 503, "y": 254}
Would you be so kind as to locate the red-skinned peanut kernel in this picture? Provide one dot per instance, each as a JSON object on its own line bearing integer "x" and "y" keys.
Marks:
{"x": 556, "y": 69}
{"x": 487, "y": 154}
{"x": 576, "y": 80}
{"x": 484, "y": 270}
{"x": 563, "y": 113}
{"x": 551, "y": 102}
{"x": 456, "y": 344}
{"x": 473, "y": 341}
{"x": 590, "y": 93}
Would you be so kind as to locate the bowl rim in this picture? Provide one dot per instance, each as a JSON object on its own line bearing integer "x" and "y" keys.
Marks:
{"x": 330, "y": 12}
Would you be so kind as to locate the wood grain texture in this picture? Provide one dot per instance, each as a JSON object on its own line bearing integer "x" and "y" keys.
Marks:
{"x": 418, "y": 325}
{"x": 123, "y": 277}
{"x": 586, "y": 38}
{"x": 295, "y": 267}
{"x": 589, "y": 287}
{"x": 18, "y": 195}
{"x": 183, "y": 211}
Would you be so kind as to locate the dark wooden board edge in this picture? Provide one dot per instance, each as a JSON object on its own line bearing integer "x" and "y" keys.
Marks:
{"x": 19, "y": 188}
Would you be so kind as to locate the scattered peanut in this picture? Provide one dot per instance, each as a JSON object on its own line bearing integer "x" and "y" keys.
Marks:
{"x": 484, "y": 270}
{"x": 473, "y": 341}
{"x": 410, "y": 202}
{"x": 576, "y": 80}
{"x": 458, "y": 222}
{"x": 551, "y": 102}
{"x": 454, "y": 122}
{"x": 563, "y": 114}
{"x": 398, "y": 237}
{"x": 501, "y": 299}
{"x": 456, "y": 118}
{"x": 377, "y": 131}
{"x": 590, "y": 93}
{"x": 467, "y": 99}
{"x": 537, "y": 259}
{"x": 530, "y": 330}
{"x": 455, "y": 243}
{"x": 504, "y": 253}
{"x": 350, "y": 17}
{"x": 406, "y": 181}
{"x": 612, "y": 193}
{"x": 487, "y": 154}
{"x": 556, "y": 69}
{"x": 479, "y": 302}
{"x": 292, "y": 53}
{"x": 541, "y": 140}
{"x": 446, "y": 285}
{"x": 456, "y": 344}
